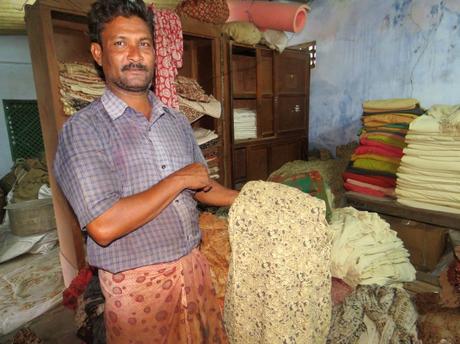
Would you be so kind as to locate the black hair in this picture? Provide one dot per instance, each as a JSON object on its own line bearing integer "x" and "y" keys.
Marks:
{"x": 104, "y": 11}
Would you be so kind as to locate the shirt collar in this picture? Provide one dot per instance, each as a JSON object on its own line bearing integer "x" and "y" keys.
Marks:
{"x": 116, "y": 107}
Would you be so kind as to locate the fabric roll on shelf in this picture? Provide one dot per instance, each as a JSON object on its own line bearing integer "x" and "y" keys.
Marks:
{"x": 194, "y": 103}
{"x": 269, "y": 15}
{"x": 80, "y": 84}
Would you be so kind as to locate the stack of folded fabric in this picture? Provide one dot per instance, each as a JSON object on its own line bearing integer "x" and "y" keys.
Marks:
{"x": 206, "y": 139}
{"x": 428, "y": 177}
{"x": 80, "y": 85}
{"x": 194, "y": 102}
{"x": 373, "y": 166}
{"x": 365, "y": 250}
{"x": 244, "y": 124}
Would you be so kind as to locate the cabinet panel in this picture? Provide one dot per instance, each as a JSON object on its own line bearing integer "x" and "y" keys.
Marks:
{"x": 239, "y": 164}
{"x": 244, "y": 75}
{"x": 265, "y": 117}
{"x": 285, "y": 152}
{"x": 264, "y": 72}
{"x": 257, "y": 162}
{"x": 292, "y": 72}
{"x": 291, "y": 113}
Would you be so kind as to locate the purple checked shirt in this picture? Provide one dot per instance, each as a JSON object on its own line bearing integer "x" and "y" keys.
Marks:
{"x": 108, "y": 151}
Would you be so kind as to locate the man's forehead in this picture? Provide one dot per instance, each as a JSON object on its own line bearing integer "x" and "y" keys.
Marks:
{"x": 127, "y": 26}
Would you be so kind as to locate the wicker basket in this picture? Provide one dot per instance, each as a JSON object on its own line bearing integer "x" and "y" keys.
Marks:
{"x": 31, "y": 217}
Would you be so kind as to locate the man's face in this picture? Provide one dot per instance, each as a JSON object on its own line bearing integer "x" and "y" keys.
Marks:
{"x": 126, "y": 54}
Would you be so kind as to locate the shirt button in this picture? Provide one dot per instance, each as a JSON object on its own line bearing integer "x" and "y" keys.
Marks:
{"x": 163, "y": 166}
{"x": 177, "y": 201}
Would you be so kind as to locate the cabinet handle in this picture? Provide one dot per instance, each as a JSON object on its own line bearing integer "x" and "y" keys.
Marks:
{"x": 297, "y": 108}
{"x": 275, "y": 99}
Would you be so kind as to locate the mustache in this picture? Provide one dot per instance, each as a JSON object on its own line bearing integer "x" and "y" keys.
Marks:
{"x": 136, "y": 66}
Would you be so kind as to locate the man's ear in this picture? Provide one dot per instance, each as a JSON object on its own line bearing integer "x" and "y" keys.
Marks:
{"x": 96, "y": 51}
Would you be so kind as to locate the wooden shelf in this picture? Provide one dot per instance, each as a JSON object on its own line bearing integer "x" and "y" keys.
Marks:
{"x": 247, "y": 95}
{"x": 392, "y": 207}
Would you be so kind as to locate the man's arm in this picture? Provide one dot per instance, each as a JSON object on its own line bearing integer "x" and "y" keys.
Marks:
{"x": 218, "y": 195}
{"x": 129, "y": 213}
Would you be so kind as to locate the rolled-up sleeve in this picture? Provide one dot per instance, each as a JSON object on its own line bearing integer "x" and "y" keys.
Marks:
{"x": 85, "y": 172}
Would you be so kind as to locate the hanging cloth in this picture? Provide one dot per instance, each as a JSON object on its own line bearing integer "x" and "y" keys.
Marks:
{"x": 169, "y": 49}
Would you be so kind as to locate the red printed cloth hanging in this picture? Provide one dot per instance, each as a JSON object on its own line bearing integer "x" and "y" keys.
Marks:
{"x": 169, "y": 49}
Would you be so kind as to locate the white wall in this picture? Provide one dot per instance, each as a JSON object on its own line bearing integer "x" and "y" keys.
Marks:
{"x": 16, "y": 82}
{"x": 372, "y": 49}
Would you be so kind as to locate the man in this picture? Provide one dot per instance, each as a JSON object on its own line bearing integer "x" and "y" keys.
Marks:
{"x": 132, "y": 172}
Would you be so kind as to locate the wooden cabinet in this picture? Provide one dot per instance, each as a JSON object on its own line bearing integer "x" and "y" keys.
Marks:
{"x": 57, "y": 32}
{"x": 274, "y": 87}
{"x": 202, "y": 62}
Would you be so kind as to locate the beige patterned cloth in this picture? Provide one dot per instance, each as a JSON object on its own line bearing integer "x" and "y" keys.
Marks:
{"x": 279, "y": 282}
{"x": 189, "y": 88}
{"x": 384, "y": 314}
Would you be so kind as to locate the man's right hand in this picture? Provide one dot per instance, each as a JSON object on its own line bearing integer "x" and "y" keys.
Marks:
{"x": 194, "y": 176}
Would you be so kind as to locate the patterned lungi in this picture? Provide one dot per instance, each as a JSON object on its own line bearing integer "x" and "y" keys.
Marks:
{"x": 163, "y": 303}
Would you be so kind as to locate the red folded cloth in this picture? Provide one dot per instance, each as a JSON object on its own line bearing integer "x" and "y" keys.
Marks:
{"x": 366, "y": 142}
{"x": 76, "y": 288}
{"x": 363, "y": 190}
{"x": 384, "y": 182}
{"x": 379, "y": 151}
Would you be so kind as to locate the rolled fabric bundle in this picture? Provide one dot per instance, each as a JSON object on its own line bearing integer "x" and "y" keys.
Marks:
{"x": 269, "y": 15}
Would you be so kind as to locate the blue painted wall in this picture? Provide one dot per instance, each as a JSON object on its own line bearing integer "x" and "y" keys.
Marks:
{"x": 373, "y": 49}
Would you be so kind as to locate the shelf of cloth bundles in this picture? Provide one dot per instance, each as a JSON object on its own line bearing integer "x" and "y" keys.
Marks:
{"x": 373, "y": 165}
{"x": 194, "y": 103}
{"x": 80, "y": 84}
{"x": 428, "y": 177}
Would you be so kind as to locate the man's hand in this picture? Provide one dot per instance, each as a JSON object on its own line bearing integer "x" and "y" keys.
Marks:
{"x": 194, "y": 176}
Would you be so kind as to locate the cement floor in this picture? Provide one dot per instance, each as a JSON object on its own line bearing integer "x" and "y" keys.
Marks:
{"x": 56, "y": 326}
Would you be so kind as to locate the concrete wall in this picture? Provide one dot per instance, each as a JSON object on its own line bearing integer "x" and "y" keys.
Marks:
{"x": 16, "y": 82}
{"x": 372, "y": 49}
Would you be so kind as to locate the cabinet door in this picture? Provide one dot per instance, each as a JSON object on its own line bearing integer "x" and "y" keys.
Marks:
{"x": 292, "y": 72}
{"x": 292, "y": 79}
{"x": 265, "y": 110}
{"x": 257, "y": 162}
{"x": 282, "y": 153}
{"x": 292, "y": 114}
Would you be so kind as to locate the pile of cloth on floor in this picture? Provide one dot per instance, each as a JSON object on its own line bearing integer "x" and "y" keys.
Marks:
{"x": 369, "y": 264}
{"x": 29, "y": 287}
{"x": 373, "y": 166}
{"x": 80, "y": 84}
{"x": 430, "y": 167}
{"x": 439, "y": 313}
{"x": 366, "y": 251}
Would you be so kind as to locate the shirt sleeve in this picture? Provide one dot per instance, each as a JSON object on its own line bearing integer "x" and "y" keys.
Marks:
{"x": 85, "y": 172}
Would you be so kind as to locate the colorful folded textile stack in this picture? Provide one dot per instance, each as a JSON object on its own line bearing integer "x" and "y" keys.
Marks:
{"x": 80, "y": 85}
{"x": 430, "y": 167}
{"x": 373, "y": 166}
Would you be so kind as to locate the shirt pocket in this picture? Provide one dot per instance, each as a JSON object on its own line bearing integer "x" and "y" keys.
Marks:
{"x": 181, "y": 154}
